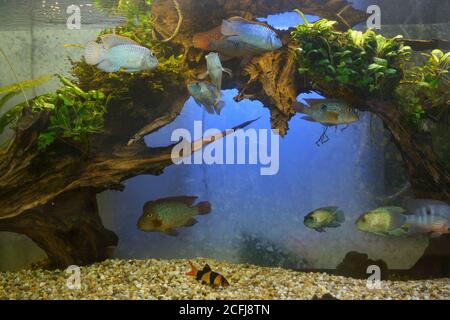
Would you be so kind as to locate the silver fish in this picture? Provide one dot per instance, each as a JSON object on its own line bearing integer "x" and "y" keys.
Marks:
{"x": 207, "y": 95}
{"x": 256, "y": 34}
{"x": 428, "y": 217}
{"x": 215, "y": 70}
{"x": 118, "y": 52}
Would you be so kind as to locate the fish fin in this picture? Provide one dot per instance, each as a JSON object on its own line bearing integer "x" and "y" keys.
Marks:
{"x": 399, "y": 232}
{"x": 334, "y": 225}
{"x": 209, "y": 109}
{"x": 308, "y": 118}
{"x": 191, "y": 222}
{"x": 207, "y": 268}
{"x": 228, "y": 71}
{"x": 299, "y": 107}
{"x": 330, "y": 208}
{"x": 396, "y": 210}
{"x": 203, "y": 208}
{"x": 219, "y": 106}
{"x": 94, "y": 53}
{"x": 113, "y": 40}
{"x": 187, "y": 200}
{"x": 171, "y": 232}
{"x": 203, "y": 76}
{"x": 107, "y": 66}
{"x": 193, "y": 271}
{"x": 340, "y": 216}
{"x": 227, "y": 28}
{"x": 132, "y": 70}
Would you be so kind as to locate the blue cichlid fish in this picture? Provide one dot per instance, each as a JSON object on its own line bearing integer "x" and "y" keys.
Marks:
{"x": 118, "y": 52}
{"x": 328, "y": 112}
{"x": 215, "y": 70}
{"x": 207, "y": 95}
{"x": 255, "y": 34}
{"x": 165, "y": 215}
{"x": 328, "y": 217}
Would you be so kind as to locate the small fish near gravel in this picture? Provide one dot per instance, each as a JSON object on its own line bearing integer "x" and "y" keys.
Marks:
{"x": 165, "y": 280}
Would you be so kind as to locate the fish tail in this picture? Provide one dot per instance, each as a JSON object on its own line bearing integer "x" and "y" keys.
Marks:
{"x": 193, "y": 271}
{"x": 94, "y": 53}
{"x": 340, "y": 216}
{"x": 204, "y": 207}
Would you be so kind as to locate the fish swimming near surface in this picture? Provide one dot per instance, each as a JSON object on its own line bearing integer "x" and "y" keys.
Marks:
{"x": 207, "y": 276}
{"x": 207, "y": 95}
{"x": 165, "y": 215}
{"x": 329, "y": 112}
{"x": 117, "y": 52}
{"x": 383, "y": 221}
{"x": 215, "y": 70}
{"x": 327, "y": 217}
{"x": 256, "y": 34}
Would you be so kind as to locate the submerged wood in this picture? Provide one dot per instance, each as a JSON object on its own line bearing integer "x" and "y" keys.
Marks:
{"x": 33, "y": 185}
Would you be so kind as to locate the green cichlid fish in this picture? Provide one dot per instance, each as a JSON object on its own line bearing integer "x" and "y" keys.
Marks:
{"x": 327, "y": 217}
{"x": 383, "y": 221}
{"x": 207, "y": 95}
{"x": 255, "y": 34}
{"x": 166, "y": 215}
{"x": 215, "y": 70}
{"x": 118, "y": 52}
{"x": 328, "y": 112}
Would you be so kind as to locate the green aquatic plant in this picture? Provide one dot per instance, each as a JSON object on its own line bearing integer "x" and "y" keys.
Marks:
{"x": 74, "y": 115}
{"x": 9, "y": 91}
{"x": 367, "y": 63}
{"x": 425, "y": 89}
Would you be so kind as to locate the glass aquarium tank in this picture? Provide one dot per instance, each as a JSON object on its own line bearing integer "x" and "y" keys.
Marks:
{"x": 224, "y": 149}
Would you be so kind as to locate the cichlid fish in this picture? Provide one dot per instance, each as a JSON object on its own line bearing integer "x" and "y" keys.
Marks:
{"x": 165, "y": 215}
{"x": 256, "y": 34}
{"x": 207, "y": 276}
{"x": 383, "y": 221}
{"x": 215, "y": 70}
{"x": 228, "y": 47}
{"x": 427, "y": 217}
{"x": 327, "y": 217}
{"x": 118, "y": 52}
{"x": 328, "y": 112}
{"x": 207, "y": 95}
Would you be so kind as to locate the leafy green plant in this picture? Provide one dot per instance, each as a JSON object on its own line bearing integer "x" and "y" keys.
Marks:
{"x": 9, "y": 91}
{"x": 425, "y": 90}
{"x": 74, "y": 114}
{"x": 364, "y": 62}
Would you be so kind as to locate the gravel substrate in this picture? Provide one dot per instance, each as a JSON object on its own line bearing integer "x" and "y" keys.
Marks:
{"x": 166, "y": 279}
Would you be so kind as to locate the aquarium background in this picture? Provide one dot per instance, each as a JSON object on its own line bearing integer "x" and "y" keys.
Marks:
{"x": 255, "y": 219}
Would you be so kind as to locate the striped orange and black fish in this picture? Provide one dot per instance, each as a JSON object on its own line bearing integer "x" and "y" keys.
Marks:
{"x": 207, "y": 276}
